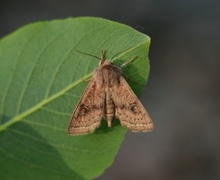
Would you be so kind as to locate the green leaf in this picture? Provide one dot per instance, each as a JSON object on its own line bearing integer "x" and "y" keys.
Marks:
{"x": 42, "y": 78}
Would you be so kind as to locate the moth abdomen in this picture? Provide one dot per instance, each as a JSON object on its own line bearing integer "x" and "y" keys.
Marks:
{"x": 110, "y": 108}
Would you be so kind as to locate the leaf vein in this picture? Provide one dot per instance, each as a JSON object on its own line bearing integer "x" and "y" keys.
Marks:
{"x": 33, "y": 164}
{"x": 43, "y": 125}
{"x": 33, "y": 138}
{"x": 21, "y": 98}
{"x": 11, "y": 80}
{"x": 64, "y": 59}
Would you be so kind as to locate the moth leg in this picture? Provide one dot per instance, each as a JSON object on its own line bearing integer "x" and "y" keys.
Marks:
{"x": 126, "y": 77}
{"x": 86, "y": 79}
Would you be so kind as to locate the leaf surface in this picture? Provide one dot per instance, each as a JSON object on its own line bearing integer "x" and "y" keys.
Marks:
{"x": 42, "y": 78}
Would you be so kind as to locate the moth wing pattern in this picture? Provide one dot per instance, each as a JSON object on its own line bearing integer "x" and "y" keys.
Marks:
{"x": 89, "y": 111}
{"x": 129, "y": 110}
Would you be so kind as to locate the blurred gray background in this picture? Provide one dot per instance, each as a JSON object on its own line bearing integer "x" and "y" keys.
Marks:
{"x": 183, "y": 91}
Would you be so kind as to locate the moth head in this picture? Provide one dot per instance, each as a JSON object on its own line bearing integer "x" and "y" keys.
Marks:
{"x": 102, "y": 59}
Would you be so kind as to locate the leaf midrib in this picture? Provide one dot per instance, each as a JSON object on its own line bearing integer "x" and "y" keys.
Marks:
{"x": 42, "y": 103}
{"x": 49, "y": 99}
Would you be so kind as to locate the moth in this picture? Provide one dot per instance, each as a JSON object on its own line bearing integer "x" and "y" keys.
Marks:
{"x": 108, "y": 95}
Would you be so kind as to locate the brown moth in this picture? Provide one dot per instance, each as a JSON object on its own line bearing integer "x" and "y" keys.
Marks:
{"x": 108, "y": 95}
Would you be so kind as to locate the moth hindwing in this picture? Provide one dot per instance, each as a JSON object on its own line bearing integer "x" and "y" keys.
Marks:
{"x": 108, "y": 95}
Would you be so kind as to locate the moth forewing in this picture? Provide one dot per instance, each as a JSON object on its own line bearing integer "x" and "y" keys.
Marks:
{"x": 108, "y": 95}
{"x": 89, "y": 111}
{"x": 129, "y": 109}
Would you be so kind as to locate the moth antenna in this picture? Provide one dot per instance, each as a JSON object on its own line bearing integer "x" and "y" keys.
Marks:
{"x": 102, "y": 57}
{"x": 120, "y": 53}
{"x": 88, "y": 54}
{"x": 116, "y": 55}
{"x": 128, "y": 62}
